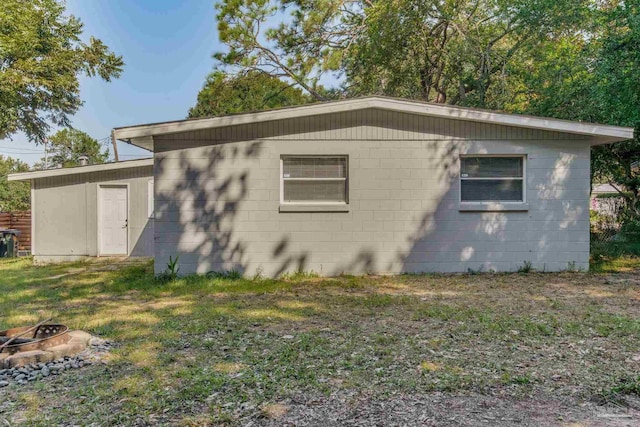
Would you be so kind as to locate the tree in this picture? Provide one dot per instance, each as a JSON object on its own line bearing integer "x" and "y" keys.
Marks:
{"x": 434, "y": 50}
{"x": 67, "y": 145}
{"x": 596, "y": 79}
{"x": 461, "y": 52}
{"x": 15, "y": 195}
{"x": 250, "y": 91}
{"x": 41, "y": 57}
{"x": 616, "y": 96}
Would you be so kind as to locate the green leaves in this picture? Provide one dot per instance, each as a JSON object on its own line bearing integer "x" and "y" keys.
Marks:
{"x": 595, "y": 76}
{"x": 252, "y": 91}
{"x": 459, "y": 52}
{"x": 67, "y": 145}
{"x": 16, "y": 195}
{"x": 260, "y": 37}
{"x": 41, "y": 57}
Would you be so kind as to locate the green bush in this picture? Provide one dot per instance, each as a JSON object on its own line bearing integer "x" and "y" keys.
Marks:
{"x": 631, "y": 230}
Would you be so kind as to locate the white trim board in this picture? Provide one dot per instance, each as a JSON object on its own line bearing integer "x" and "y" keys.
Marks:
{"x": 308, "y": 203}
{"x": 142, "y": 135}
{"x": 498, "y": 205}
{"x": 33, "y": 221}
{"x": 26, "y": 176}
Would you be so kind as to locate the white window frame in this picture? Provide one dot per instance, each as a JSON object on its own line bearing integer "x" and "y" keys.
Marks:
{"x": 311, "y": 202}
{"x": 495, "y": 202}
{"x": 150, "y": 200}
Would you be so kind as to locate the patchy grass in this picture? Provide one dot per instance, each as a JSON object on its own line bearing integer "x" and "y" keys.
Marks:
{"x": 611, "y": 256}
{"x": 606, "y": 264}
{"x": 223, "y": 350}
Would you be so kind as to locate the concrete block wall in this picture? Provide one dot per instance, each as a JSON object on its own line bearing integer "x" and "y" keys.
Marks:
{"x": 217, "y": 204}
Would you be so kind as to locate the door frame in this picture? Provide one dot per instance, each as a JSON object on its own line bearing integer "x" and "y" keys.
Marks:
{"x": 100, "y": 186}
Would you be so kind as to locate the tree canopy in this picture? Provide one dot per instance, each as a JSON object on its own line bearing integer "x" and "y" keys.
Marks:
{"x": 15, "y": 195}
{"x": 42, "y": 55}
{"x": 596, "y": 79}
{"x": 67, "y": 145}
{"x": 458, "y": 52}
{"x": 250, "y": 91}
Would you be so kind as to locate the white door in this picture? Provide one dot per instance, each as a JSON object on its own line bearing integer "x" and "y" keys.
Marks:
{"x": 113, "y": 220}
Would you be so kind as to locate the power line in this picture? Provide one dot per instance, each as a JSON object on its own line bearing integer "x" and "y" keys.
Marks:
{"x": 4, "y": 147}
{"x": 20, "y": 152}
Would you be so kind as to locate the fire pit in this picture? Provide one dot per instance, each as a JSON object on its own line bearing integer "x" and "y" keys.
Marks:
{"x": 43, "y": 337}
{"x": 41, "y": 343}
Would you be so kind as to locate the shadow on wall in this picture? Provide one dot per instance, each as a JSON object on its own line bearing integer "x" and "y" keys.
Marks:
{"x": 143, "y": 247}
{"x": 200, "y": 201}
{"x": 415, "y": 249}
{"x": 199, "y": 214}
{"x": 544, "y": 238}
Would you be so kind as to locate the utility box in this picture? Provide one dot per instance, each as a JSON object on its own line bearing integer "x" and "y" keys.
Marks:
{"x": 9, "y": 243}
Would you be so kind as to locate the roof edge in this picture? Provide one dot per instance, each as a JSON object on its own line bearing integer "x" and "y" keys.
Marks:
{"x": 27, "y": 176}
{"x": 140, "y": 134}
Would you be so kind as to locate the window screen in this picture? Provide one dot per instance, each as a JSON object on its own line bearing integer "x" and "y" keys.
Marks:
{"x": 314, "y": 179}
{"x": 489, "y": 179}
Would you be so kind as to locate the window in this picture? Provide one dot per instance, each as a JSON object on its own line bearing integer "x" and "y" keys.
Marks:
{"x": 492, "y": 179}
{"x": 314, "y": 179}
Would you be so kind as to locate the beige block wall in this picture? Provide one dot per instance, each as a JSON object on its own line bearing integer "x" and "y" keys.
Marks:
{"x": 65, "y": 214}
{"x": 217, "y": 205}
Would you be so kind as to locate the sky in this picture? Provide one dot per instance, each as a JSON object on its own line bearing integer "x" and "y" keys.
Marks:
{"x": 166, "y": 46}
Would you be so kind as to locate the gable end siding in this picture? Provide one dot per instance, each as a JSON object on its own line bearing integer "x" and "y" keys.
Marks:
{"x": 366, "y": 125}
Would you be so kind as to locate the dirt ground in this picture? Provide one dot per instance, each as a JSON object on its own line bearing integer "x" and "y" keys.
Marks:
{"x": 534, "y": 349}
{"x": 448, "y": 410}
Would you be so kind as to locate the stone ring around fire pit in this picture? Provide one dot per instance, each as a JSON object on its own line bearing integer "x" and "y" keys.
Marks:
{"x": 45, "y": 344}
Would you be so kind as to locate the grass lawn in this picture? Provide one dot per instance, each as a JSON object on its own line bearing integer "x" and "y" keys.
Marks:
{"x": 201, "y": 351}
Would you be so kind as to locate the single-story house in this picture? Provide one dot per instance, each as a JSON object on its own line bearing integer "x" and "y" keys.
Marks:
{"x": 371, "y": 185}
{"x": 368, "y": 185}
{"x": 96, "y": 210}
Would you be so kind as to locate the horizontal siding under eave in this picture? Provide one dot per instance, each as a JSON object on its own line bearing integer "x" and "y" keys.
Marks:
{"x": 368, "y": 125}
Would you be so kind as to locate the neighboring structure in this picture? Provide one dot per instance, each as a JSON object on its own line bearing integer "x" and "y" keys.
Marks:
{"x": 98, "y": 210}
{"x": 601, "y": 189}
{"x": 606, "y": 200}
{"x": 20, "y": 221}
{"x": 373, "y": 185}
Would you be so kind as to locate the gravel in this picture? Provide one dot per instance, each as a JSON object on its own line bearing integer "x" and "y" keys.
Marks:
{"x": 38, "y": 371}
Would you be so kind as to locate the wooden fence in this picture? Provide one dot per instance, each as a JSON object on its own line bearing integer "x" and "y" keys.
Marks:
{"x": 19, "y": 221}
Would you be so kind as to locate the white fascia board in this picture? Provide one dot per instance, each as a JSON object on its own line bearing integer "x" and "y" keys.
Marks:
{"x": 138, "y": 135}
{"x": 26, "y": 176}
{"x": 518, "y": 120}
{"x": 142, "y": 131}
